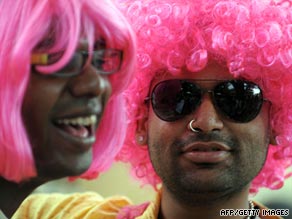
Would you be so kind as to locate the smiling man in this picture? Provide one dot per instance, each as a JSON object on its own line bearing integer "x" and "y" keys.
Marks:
{"x": 63, "y": 66}
{"x": 210, "y": 105}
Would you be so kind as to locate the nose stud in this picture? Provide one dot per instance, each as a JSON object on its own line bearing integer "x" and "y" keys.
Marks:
{"x": 190, "y": 125}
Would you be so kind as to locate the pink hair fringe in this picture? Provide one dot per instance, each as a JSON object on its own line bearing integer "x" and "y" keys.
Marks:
{"x": 23, "y": 26}
{"x": 254, "y": 39}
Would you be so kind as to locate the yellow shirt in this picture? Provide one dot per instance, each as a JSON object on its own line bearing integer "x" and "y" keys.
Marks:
{"x": 87, "y": 205}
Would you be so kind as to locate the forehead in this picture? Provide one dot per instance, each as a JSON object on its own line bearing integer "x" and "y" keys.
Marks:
{"x": 213, "y": 71}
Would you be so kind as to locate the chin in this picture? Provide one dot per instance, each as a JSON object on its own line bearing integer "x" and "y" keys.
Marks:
{"x": 64, "y": 167}
{"x": 52, "y": 173}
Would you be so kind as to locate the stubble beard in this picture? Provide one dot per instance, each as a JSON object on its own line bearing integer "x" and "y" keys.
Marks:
{"x": 190, "y": 189}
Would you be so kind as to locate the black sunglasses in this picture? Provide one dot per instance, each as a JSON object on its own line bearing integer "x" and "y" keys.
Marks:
{"x": 106, "y": 61}
{"x": 238, "y": 100}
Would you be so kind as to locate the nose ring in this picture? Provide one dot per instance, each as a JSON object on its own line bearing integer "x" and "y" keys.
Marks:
{"x": 191, "y": 126}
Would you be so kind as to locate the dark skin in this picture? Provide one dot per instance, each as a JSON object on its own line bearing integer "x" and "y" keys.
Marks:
{"x": 194, "y": 189}
{"x": 58, "y": 153}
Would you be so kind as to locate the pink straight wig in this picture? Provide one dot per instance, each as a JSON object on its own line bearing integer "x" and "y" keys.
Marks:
{"x": 31, "y": 25}
{"x": 252, "y": 37}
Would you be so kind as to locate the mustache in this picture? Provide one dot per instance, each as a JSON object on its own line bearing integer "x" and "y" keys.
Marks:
{"x": 207, "y": 137}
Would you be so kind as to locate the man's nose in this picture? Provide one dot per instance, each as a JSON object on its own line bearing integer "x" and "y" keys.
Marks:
{"x": 90, "y": 83}
{"x": 206, "y": 118}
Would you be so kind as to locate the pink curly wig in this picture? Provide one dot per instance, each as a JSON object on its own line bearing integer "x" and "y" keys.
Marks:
{"x": 253, "y": 38}
{"x": 30, "y": 25}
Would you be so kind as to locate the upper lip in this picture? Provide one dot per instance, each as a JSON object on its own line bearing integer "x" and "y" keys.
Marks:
{"x": 77, "y": 113}
{"x": 80, "y": 108}
{"x": 205, "y": 146}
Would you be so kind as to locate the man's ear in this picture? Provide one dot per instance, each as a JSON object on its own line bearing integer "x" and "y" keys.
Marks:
{"x": 142, "y": 131}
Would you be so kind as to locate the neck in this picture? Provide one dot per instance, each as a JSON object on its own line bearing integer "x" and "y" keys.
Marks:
{"x": 12, "y": 194}
{"x": 203, "y": 205}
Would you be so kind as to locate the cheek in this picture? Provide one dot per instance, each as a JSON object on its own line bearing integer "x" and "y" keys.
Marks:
{"x": 157, "y": 129}
{"x": 108, "y": 90}
{"x": 164, "y": 133}
{"x": 255, "y": 135}
{"x": 37, "y": 103}
{"x": 39, "y": 99}
{"x": 261, "y": 126}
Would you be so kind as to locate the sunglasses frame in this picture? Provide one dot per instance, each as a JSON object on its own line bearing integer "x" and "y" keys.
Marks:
{"x": 43, "y": 59}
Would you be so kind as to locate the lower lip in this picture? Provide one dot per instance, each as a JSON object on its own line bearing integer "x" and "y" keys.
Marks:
{"x": 77, "y": 144}
{"x": 206, "y": 156}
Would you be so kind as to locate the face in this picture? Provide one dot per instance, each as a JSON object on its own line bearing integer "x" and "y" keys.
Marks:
{"x": 220, "y": 157}
{"x": 61, "y": 116}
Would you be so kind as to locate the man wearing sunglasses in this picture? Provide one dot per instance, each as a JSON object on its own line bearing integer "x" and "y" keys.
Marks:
{"x": 63, "y": 66}
{"x": 210, "y": 106}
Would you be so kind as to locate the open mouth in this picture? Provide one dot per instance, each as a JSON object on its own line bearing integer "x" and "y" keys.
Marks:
{"x": 80, "y": 127}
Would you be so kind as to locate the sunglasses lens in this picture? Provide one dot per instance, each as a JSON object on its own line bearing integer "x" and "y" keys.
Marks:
{"x": 173, "y": 99}
{"x": 241, "y": 101}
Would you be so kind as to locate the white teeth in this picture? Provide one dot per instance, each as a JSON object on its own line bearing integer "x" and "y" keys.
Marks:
{"x": 82, "y": 121}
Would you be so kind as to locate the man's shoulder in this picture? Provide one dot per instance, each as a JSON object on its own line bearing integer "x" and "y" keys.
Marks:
{"x": 75, "y": 205}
